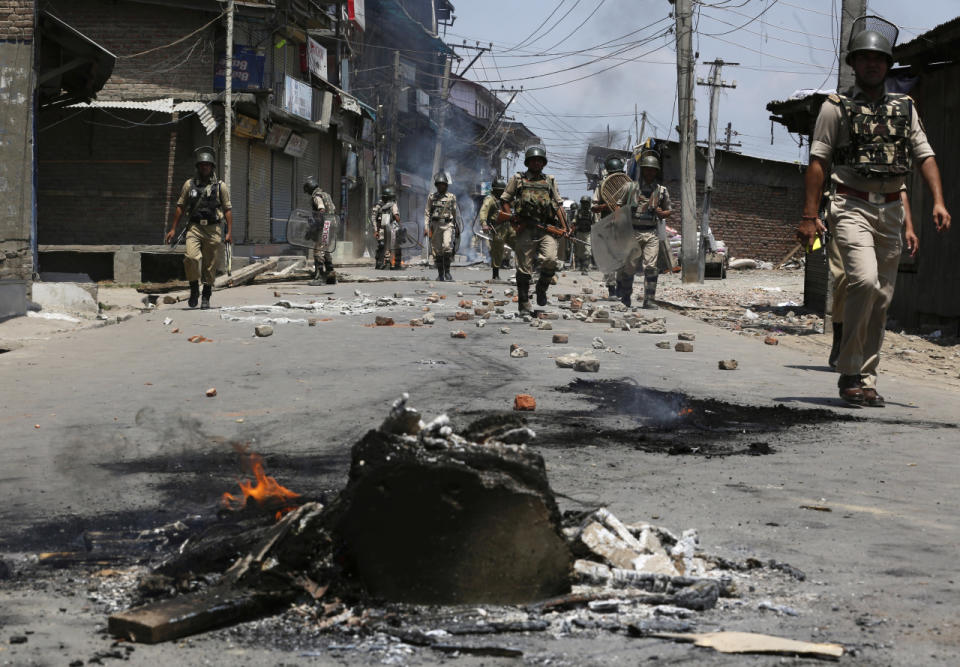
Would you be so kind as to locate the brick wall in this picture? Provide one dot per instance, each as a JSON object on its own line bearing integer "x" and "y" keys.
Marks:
{"x": 16, "y": 20}
{"x": 125, "y": 28}
{"x": 102, "y": 181}
{"x": 755, "y": 221}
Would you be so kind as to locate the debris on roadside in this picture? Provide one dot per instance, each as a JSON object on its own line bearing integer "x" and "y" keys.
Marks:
{"x": 524, "y": 402}
{"x": 263, "y": 330}
{"x": 458, "y": 334}
{"x": 683, "y": 347}
{"x": 727, "y": 364}
{"x": 211, "y": 392}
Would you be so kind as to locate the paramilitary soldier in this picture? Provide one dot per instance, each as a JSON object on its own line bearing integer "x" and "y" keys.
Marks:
{"x": 501, "y": 233}
{"x": 612, "y": 165}
{"x": 207, "y": 202}
{"x": 873, "y": 138}
{"x": 386, "y": 227}
{"x": 442, "y": 218}
{"x": 539, "y": 208}
{"x": 582, "y": 225}
{"x": 649, "y": 208}
{"x": 322, "y": 205}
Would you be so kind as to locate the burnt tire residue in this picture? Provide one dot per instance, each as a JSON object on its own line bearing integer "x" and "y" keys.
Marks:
{"x": 665, "y": 422}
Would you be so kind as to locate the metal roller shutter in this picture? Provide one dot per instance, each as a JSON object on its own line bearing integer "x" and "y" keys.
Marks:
{"x": 258, "y": 195}
{"x": 308, "y": 165}
{"x": 238, "y": 188}
{"x": 281, "y": 196}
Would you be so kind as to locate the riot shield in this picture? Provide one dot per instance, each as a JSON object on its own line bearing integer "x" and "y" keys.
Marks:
{"x": 408, "y": 236}
{"x": 303, "y": 230}
{"x": 612, "y": 240}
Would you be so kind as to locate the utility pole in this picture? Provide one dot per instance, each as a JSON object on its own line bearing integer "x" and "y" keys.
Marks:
{"x": 688, "y": 139}
{"x": 715, "y": 83}
{"x": 394, "y": 114}
{"x": 228, "y": 99}
{"x": 729, "y": 133}
{"x": 444, "y": 94}
{"x": 643, "y": 127}
{"x": 849, "y": 12}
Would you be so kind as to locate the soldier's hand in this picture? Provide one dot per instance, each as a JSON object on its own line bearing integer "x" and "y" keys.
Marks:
{"x": 168, "y": 238}
{"x": 808, "y": 230}
{"x": 941, "y": 218}
{"x": 912, "y": 242}
{"x": 228, "y": 238}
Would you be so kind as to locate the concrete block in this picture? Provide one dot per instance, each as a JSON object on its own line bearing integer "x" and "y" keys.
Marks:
{"x": 127, "y": 267}
{"x": 73, "y": 298}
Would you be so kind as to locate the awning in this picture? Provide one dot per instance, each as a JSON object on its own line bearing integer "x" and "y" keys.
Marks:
{"x": 72, "y": 66}
{"x": 395, "y": 15}
{"x": 162, "y": 105}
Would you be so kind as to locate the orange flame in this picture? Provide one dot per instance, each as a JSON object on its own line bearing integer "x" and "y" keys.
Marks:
{"x": 264, "y": 489}
{"x": 685, "y": 411}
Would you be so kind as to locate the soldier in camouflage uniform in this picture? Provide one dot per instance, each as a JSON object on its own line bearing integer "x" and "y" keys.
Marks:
{"x": 582, "y": 225}
{"x": 650, "y": 206}
{"x": 208, "y": 201}
{"x": 612, "y": 165}
{"x": 873, "y": 139}
{"x": 501, "y": 233}
{"x": 537, "y": 201}
{"x": 441, "y": 217}
{"x": 386, "y": 227}
{"x": 321, "y": 204}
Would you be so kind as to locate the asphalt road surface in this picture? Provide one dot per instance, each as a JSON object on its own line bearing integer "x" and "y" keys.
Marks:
{"x": 111, "y": 426}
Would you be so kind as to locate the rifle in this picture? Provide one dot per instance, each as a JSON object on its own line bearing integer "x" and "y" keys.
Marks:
{"x": 550, "y": 229}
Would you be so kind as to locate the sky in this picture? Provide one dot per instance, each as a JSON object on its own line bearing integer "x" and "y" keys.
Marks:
{"x": 587, "y": 64}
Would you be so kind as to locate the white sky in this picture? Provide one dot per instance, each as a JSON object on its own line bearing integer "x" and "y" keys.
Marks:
{"x": 791, "y": 45}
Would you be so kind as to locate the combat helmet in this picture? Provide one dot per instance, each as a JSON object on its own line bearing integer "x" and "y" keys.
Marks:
{"x": 310, "y": 184}
{"x": 872, "y": 33}
{"x": 535, "y": 151}
{"x": 585, "y": 200}
{"x": 613, "y": 164}
{"x": 388, "y": 193}
{"x": 498, "y": 185}
{"x": 205, "y": 154}
{"x": 441, "y": 177}
{"x": 650, "y": 160}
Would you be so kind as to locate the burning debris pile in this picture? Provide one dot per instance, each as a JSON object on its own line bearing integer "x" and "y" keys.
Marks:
{"x": 432, "y": 516}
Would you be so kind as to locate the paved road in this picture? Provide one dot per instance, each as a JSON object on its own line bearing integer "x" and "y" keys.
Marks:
{"x": 112, "y": 426}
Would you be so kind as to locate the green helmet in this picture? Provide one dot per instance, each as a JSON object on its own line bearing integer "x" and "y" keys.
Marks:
{"x": 649, "y": 160}
{"x": 585, "y": 201}
{"x": 534, "y": 151}
{"x": 498, "y": 185}
{"x": 613, "y": 164}
{"x": 205, "y": 154}
{"x": 388, "y": 193}
{"x": 441, "y": 177}
{"x": 868, "y": 40}
{"x": 310, "y": 184}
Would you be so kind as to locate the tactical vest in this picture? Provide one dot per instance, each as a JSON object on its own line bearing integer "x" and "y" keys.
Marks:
{"x": 640, "y": 215}
{"x": 584, "y": 219}
{"x": 879, "y": 136}
{"x": 534, "y": 200}
{"x": 329, "y": 208}
{"x": 441, "y": 208}
{"x": 208, "y": 203}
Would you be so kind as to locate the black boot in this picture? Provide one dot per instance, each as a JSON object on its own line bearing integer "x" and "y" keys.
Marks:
{"x": 835, "y": 348}
{"x": 543, "y": 282}
{"x": 612, "y": 290}
{"x": 496, "y": 273}
{"x": 523, "y": 294}
{"x": 625, "y": 290}
{"x": 205, "y": 300}
{"x": 379, "y": 257}
{"x": 446, "y": 268}
{"x": 331, "y": 277}
{"x": 650, "y": 291}
{"x": 440, "y": 268}
{"x": 194, "y": 294}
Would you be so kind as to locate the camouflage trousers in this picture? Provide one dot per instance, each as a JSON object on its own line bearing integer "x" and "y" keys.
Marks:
{"x": 501, "y": 237}
{"x": 441, "y": 238}
{"x": 203, "y": 243}
{"x": 868, "y": 239}
{"x": 582, "y": 254}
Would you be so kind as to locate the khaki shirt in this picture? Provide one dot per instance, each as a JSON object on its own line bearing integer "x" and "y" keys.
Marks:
{"x": 514, "y": 186}
{"x": 448, "y": 202}
{"x": 384, "y": 208}
{"x": 322, "y": 202}
{"x": 489, "y": 209}
{"x": 832, "y": 131}
{"x": 205, "y": 189}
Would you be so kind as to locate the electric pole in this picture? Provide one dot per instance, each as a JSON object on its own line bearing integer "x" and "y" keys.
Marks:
{"x": 643, "y": 127}
{"x": 726, "y": 142}
{"x": 228, "y": 99}
{"x": 394, "y": 129}
{"x": 715, "y": 83}
{"x": 444, "y": 94}
{"x": 688, "y": 139}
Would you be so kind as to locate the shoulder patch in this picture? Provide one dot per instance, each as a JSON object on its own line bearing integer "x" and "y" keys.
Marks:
{"x": 833, "y": 97}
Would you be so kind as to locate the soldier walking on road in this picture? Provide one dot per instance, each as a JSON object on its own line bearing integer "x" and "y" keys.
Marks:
{"x": 612, "y": 165}
{"x": 873, "y": 139}
{"x": 386, "y": 226}
{"x": 582, "y": 225}
{"x": 206, "y": 199}
{"x": 501, "y": 233}
{"x": 322, "y": 205}
{"x": 441, "y": 218}
{"x": 538, "y": 204}
{"x": 650, "y": 206}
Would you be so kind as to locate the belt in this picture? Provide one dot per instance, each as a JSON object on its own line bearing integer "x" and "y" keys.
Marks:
{"x": 653, "y": 226}
{"x": 872, "y": 197}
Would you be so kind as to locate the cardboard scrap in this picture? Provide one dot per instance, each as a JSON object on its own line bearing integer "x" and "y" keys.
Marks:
{"x": 751, "y": 642}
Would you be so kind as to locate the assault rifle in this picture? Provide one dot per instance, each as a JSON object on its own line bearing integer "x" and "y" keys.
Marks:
{"x": 545, "y": 226}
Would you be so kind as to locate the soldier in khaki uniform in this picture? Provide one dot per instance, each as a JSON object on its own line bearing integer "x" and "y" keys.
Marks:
{"x": 650, "y": 206}
{"x": 538, "y": 202}
{"x": 207, "y": 202}
{"x": 582, "y": 224}
{"x": 501, "y": 233}
{"x": 386, "y": 225}
{"x": 441, "y": 217}
{"x": 612, "y": 165}
{"x": 873, "y": 139}
{"x": 322, "y": 205}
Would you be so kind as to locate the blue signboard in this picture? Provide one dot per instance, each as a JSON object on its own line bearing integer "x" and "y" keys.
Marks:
{"x": 248, "y": 69}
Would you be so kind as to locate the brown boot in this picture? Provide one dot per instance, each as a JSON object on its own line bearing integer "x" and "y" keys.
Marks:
{"x": 851, "y": 389}
{"x": 872, "y": 399}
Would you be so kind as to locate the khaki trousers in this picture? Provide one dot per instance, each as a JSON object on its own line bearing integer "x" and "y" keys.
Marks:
{"x": 441, "y": 238}
{"x": 868, "y": 240}
{"x": 581, "y": 253}
{"x": 203, "y": 242}
{"x": 643, "y": 254}
{"x": 839, "y": 280}
{"x": 501, "y": 237}
{"x": 534, "y": 242}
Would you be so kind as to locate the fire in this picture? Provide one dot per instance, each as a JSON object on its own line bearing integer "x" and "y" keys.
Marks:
{"x": 264, "y": 489}
{"x": 685, "y": 411}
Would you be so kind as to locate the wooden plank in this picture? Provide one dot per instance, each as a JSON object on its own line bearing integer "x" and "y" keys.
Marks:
{"x": 789, "y": 255}
{"x": 246, "y": 274}
{"x": 195, "y": 613}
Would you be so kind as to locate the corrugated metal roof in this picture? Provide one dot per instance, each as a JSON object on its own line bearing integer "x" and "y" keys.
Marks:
{"x": 162, "y": 105}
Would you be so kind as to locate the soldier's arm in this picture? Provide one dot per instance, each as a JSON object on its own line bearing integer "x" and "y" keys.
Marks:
{"x": 506, "y": 199}
{"x": 396, "y": 212}
{"x": 665, "y": 208}
{"x": 178, "y": 212}
{"x": 456, "y": 213}
{"x": 426, "y": 213}
{"x": 908, "y": 232}
{"x": 822, "y": 146}
{"x": 931, "y": 174}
